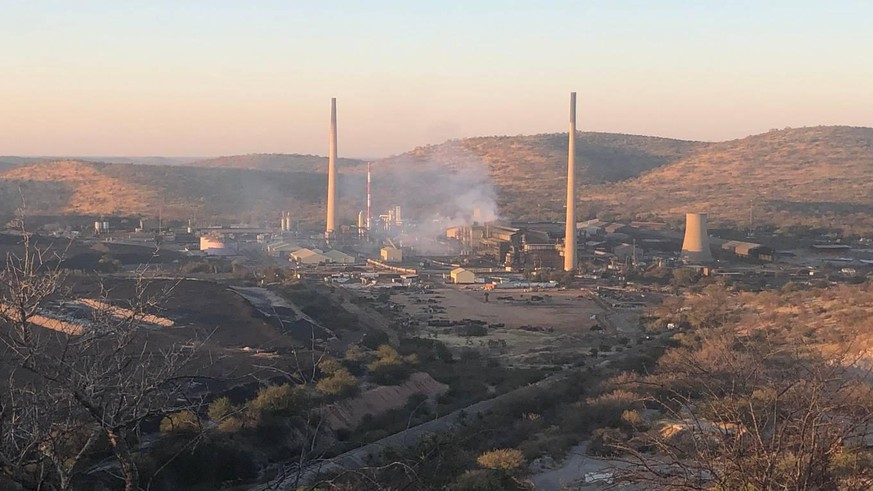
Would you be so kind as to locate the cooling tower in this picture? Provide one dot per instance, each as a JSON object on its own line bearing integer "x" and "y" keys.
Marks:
{"x": 331, "y": 174}
{"x": 695, "y": 248}
{"x": 570, "y": 227}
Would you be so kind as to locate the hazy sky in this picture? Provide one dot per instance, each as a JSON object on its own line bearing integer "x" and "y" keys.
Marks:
{"x": 186, "y": 77}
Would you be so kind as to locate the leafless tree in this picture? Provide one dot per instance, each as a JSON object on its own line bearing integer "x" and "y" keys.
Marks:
{"x": 749, "y": 412}
{"x": 72, "y": 382}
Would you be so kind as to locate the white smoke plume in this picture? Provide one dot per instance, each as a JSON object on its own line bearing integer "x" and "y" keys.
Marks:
{"x": 438, "y": 186}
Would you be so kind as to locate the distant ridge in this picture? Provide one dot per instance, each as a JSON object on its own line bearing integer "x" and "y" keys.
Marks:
{"x": 94, "y": 188}
{"x": 8, "y": 162}
{"x": 814, "y": 177}
{"x": 279, "y": 162}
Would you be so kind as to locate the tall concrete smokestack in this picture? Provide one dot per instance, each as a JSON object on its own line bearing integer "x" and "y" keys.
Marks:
{"x": 695, "y": 247}
{"x": 570, "y": 227}
{"x": 369, "y": 197}
{"x": 330, "y": 229}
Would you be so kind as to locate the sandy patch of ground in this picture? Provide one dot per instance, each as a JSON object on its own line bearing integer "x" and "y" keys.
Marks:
{"x": 544, "y": 328}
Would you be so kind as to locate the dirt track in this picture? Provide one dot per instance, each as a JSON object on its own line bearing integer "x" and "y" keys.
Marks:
{"x": 360, "y": 457}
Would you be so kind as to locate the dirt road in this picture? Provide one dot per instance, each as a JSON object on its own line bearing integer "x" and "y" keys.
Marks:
{"x": 365, "y": 455}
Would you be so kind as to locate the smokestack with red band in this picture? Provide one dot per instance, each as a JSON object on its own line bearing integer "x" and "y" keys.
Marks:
{"x": 570, "y": 227}
{"x": 330, "y": 229}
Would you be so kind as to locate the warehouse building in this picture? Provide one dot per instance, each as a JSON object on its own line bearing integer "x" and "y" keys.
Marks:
{"x": 339, "y": 257}
{"x": 461, "y": 276}
{"x": 309, "y": 256}
{"x": 749, "y": 250}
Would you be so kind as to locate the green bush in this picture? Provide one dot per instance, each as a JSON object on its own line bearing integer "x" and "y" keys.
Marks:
{"x": 282, "y": 399}
{"x": 340, "y": 383}
{"x": 220, "y": 409}
{"x": 181, "y": 422}
{"x": 503, "y": 459}
{"x": 390, "y": 367}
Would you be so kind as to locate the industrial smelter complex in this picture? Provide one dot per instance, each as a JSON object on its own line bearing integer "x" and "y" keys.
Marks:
{"x": 525, "y": 246}
{"x": 484, "y": 249}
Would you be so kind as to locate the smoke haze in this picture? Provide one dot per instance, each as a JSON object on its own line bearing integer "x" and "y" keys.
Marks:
{"x": 444, "y": 186}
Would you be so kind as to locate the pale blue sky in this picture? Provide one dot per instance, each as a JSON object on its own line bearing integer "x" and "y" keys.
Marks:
{"x": 220, "y": 77}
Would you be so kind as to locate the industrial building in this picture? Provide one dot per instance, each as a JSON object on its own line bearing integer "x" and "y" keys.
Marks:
{"x": 591, "y": 227}
{"x": 339, "y": 257}
{"x": 624, "y": 251}
{"x": 461, "y": 276}
{"x": 497, "y": 241}
{"x": 279, "y": 248}
{"x": 391, "y": 254}
{"x": 317, "y": 256}
{"x": 309, "y": 257}
{"x": 213, "y": 245}
{"x": 749, "y": 250}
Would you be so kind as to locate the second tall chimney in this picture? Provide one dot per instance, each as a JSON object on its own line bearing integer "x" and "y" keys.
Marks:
{"x": 330, "y": 229}
{"x": 570, "y": 227}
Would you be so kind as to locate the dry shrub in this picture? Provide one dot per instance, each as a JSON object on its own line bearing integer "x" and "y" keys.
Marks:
{"x": 504, "y": 459}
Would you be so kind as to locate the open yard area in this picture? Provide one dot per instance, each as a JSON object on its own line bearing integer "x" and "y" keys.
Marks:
{"x": 545, "y": 328}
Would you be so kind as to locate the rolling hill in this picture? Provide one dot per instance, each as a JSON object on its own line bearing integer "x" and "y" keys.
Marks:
{"x": 816, "y": 177}
{"x": 8, "y": 162}
{"x": 93, "y": 188}
{"x": 281, "y": 162}
{"x": 525, "y": 174}
{"x": 813, "y": 177}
